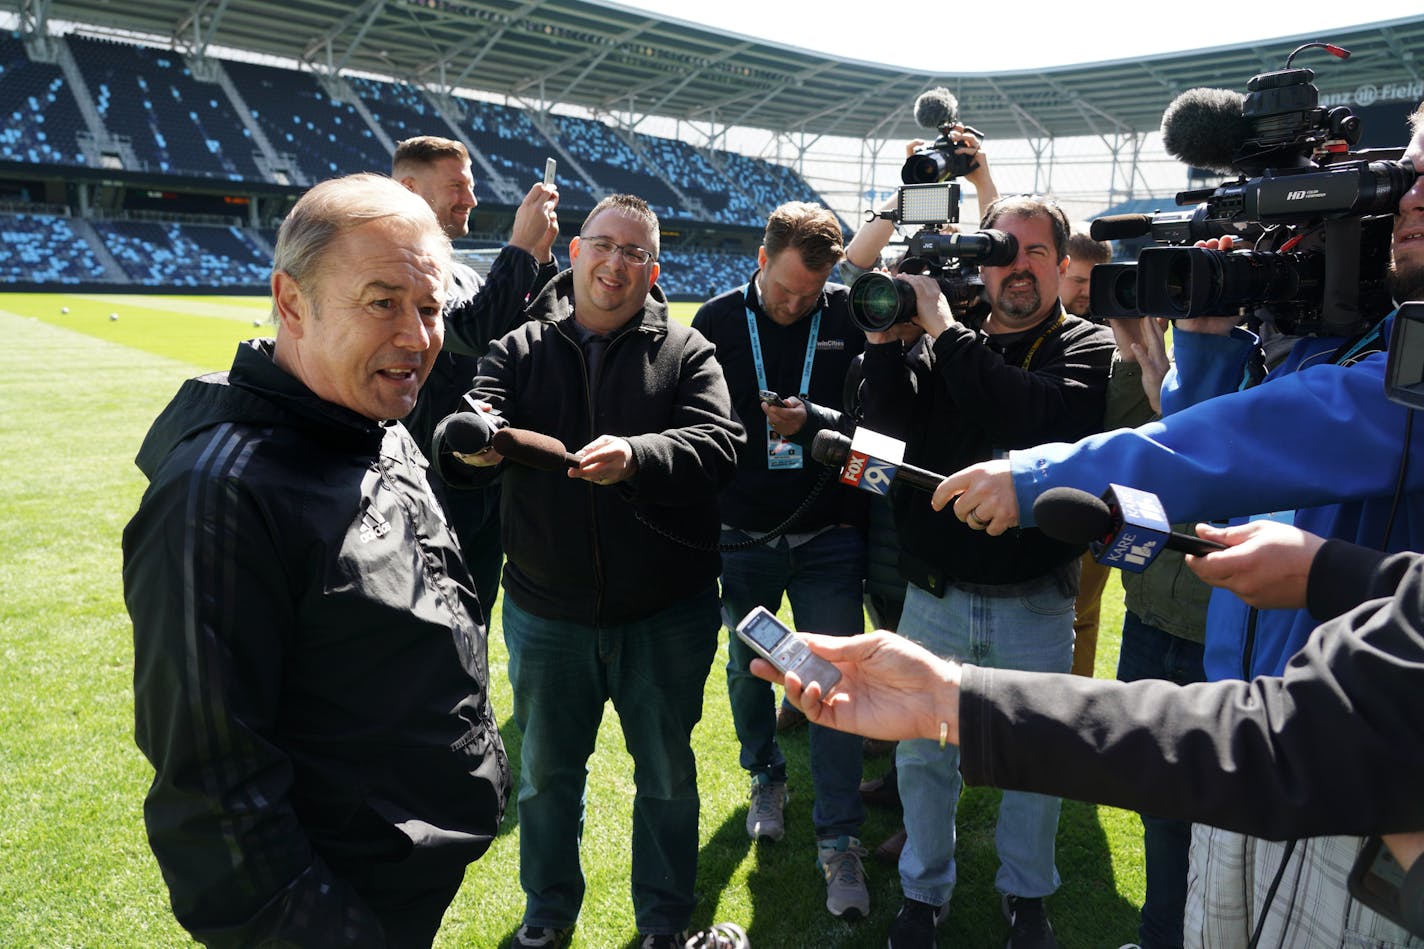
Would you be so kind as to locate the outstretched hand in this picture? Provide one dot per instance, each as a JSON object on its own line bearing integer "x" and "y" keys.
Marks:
{"x": 1266, "y": 563}
{"x": 982, "y": 496}
{"x": 890, "y": 688}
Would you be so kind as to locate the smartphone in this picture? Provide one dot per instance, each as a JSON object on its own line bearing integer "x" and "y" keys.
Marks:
{"x": 549, "y": 166}
{"x": 781, "y": 646}
{"x": 771, "y": 398}
{"x": 1376, "y": 880}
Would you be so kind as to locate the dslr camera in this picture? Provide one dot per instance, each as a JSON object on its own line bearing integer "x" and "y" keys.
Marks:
{"x": 879, "y": 301}
{"x": 938, "y": 109}
{"x": 1321, "y": 215}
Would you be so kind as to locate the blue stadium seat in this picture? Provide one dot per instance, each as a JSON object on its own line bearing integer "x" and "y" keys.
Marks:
{"x": 177, "y": 125}
{"x": 517, "y": 149}
{"x": 42, "y": 118}
{"x": 44, "y": 249}
{"x": 327, "y": 138}
{"x": 178, "y": 255}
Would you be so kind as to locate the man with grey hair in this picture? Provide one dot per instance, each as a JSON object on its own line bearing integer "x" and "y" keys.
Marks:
{"x": 310, "y": 674}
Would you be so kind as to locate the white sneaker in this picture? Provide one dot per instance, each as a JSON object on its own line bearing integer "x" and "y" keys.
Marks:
{"x": 765, "y": 817}
{"x": 846, "y": 894}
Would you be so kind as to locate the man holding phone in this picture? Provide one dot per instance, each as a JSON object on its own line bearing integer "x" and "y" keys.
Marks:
{"x": 785, "y": 338}
{"x": 478, "y": 310}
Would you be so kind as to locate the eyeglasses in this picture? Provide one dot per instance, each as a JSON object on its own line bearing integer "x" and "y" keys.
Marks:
{"x": 632, "y": 253}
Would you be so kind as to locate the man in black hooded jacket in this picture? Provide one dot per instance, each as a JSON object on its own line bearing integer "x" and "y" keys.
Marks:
{"x": 310, "y": 674}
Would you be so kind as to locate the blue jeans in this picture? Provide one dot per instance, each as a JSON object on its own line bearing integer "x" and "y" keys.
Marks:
{"x": 1148, "y": 652}
{"x": 562, "y": 673}
{"x": 1032, "y": 630}
{"x": 823, "y": 579}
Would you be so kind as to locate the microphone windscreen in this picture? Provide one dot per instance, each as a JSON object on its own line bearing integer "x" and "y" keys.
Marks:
{"x": 531, "y": 449}
{"x": 1072, "y": 516}
{"x": 1116, "y": 227}
{"x": 830, "y": 447}
{"x": 936, "y": 107}
{"x": 1205, "y": 128}
{"x": 467, "y": 432}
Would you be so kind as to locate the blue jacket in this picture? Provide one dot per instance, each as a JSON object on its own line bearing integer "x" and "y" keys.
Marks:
{"x": 1312, "y": 434}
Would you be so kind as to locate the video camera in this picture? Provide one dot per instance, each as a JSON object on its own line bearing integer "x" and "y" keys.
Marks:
{"x": 879, "y": 301}
{"x": 938, "y": 109}
{"x": 1321, "y": 216}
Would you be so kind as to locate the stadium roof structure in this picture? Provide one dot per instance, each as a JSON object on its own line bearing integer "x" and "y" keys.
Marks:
{"x": 613, "y": 59}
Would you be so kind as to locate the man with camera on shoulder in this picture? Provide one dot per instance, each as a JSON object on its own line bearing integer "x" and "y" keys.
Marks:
{"x": 956, "y": 394}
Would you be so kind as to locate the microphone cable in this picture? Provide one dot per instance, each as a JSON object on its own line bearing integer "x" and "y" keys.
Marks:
{"x": 764, "y": 539}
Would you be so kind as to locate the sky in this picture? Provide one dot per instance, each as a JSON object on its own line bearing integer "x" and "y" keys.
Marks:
{"x": 1064, "y": 32}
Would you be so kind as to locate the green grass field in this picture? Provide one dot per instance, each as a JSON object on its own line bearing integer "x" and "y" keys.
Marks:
{"x": 75, "y": 869}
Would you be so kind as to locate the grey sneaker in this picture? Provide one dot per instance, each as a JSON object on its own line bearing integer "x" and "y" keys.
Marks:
{"x": 765, "y": 819}
{"x": 540, "y": 937}
{"x": 839, "y": 859}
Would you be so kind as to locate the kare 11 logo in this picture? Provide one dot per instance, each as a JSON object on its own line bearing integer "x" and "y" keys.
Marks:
{"x": 1142, "y": 529}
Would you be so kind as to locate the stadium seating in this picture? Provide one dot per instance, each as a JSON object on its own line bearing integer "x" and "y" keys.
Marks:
{"x": 176, "y": 255}
{"x": 702, "y": 274}
{"x": 44, "y": 249}
{"x": 175, "y": 123}
{"x": 169, "y": 121}
{"x": 615, "y": 165}
{"x": 327, "y": 138}
{"x": 697, "y": 177}
{"x": 514, "y": 145}
{"x": 42, "y": 118}
{"x": 767, "y": 184}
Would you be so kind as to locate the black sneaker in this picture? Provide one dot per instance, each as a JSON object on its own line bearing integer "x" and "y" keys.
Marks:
{"x": 915, "y": 925}
{"x": 540, "y": 937}
{"x": 663, "y": 940}
{"x": 1028, "y": 923}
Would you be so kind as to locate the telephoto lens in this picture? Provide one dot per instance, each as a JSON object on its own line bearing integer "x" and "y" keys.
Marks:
{"x": 878, "y": 301}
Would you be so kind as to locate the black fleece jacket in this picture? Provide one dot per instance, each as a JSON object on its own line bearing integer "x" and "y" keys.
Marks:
{"x": 967, "y": 397}
{"x": 585, "y": 552}
{"x": 1334, "y": 746}
{"x": 760, "y": 497}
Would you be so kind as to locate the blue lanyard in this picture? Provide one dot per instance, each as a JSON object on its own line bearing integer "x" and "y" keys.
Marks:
{"x": 780, "y": 453}
{"x": 756, "y": 347}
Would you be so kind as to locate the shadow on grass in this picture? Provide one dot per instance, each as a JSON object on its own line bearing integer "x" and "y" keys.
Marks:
{"x": 1087, "y": 909}
{"x": 787, "y": 894}
{"x": 513, "y": 740}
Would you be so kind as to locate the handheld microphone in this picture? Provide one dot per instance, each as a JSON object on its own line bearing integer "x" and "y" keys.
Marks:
{"x": 1125, "y": 528}
{"x": 871, "y": 462}
{"x": 532, "y": 449}
{"x": 466, "y": 433}
{"x": 936, "y": 107}
{"x": 1116, "y": 227}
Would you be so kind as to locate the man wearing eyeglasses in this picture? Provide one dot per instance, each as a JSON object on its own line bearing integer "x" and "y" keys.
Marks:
{"x": 954, "y": 392}
{"x": 610, "y": 575}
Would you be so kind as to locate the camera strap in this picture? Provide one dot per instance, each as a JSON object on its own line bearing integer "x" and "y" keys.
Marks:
{"x": 780, "y": 453}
